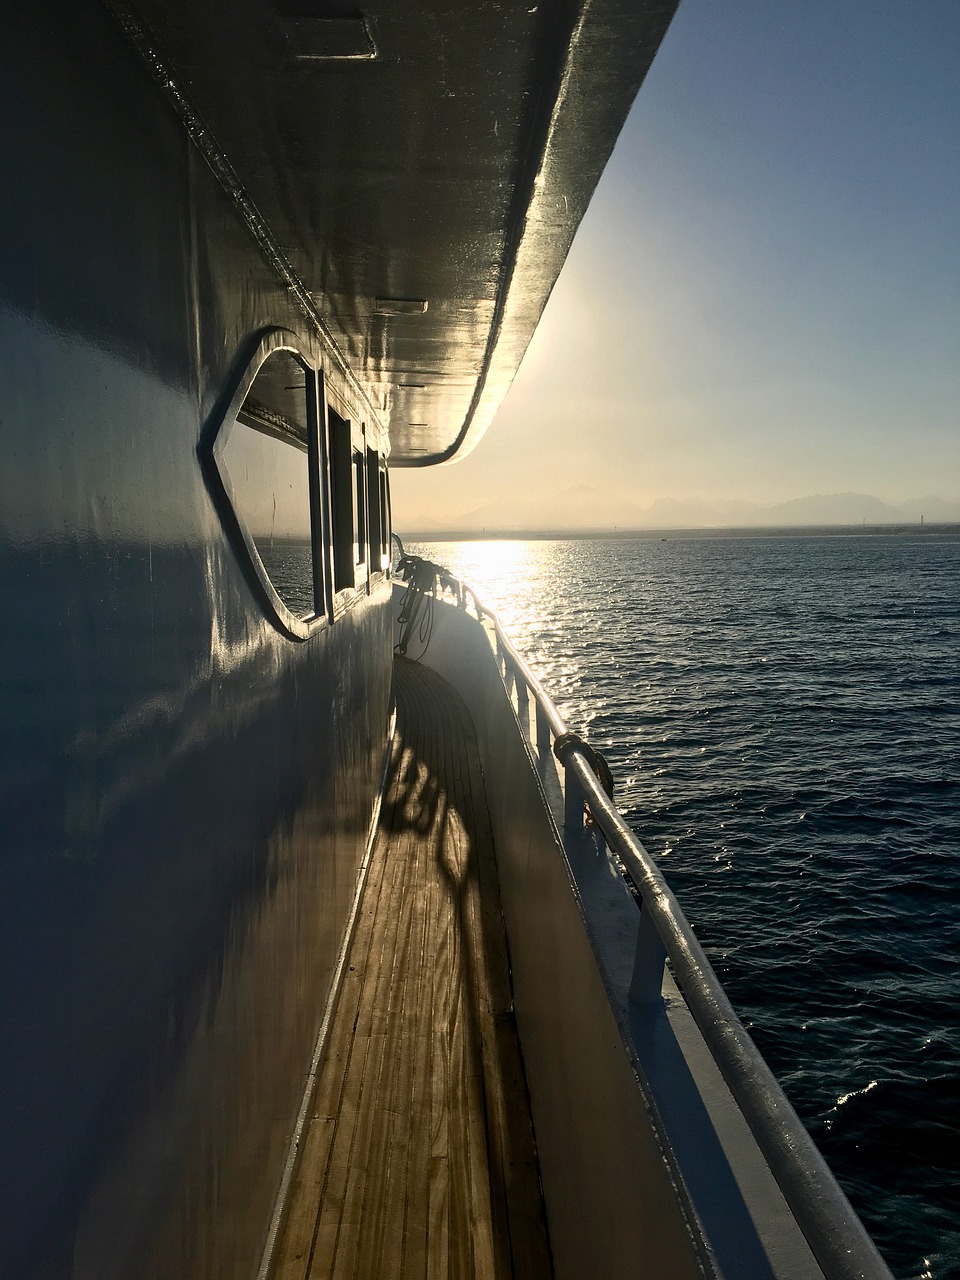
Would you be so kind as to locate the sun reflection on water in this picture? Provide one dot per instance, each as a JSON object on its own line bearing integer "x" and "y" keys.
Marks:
{"x": 508, "y": 577}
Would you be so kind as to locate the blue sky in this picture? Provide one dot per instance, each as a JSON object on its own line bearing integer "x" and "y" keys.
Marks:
{"x": 764, "y": 298}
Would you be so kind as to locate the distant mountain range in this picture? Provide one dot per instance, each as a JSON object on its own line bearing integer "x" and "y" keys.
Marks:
{"x": 588, "y": 507}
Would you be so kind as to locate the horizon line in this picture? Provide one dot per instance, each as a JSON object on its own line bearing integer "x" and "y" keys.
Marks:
{"x": 549, "y": 532}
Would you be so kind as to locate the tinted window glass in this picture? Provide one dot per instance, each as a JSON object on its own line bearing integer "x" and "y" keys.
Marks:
{"x": 343, "y": 502}
{"x": 373, "y": 510}
{"x": 359, "y": 501}
{"x": 265, "y": 458}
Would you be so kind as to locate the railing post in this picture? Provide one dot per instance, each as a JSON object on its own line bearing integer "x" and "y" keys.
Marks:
{"x": 523, "y": 702}
{"x": 648, "y": 961}
{"x": 544, "y": 746}
{"x": 573, "y": 800}
{"x": 548, "y": 764}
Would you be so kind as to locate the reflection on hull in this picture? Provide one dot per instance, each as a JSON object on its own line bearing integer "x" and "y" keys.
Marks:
{"x": 180, "y": 856}
{"x": 185, "y": 793}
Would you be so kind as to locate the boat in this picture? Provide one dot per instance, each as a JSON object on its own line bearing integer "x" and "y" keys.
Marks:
{"x": 255, "y": 256}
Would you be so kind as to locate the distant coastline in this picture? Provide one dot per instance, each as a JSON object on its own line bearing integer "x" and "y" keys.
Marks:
{"x": 665, "y": 534}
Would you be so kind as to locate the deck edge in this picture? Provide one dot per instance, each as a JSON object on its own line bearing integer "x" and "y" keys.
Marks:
{"x": 287, "y": 1178}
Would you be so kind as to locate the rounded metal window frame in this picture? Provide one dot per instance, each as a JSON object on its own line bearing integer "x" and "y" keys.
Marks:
{"x": 217, "y": 476}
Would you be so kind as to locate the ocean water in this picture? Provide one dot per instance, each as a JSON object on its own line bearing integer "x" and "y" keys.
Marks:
{"x": 782, "y": 716}
{"x": 289, "y": 566}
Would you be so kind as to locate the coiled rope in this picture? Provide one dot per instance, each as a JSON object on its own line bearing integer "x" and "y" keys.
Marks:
{"x": 425, "y": 581}
{"x": 563, "y": 744}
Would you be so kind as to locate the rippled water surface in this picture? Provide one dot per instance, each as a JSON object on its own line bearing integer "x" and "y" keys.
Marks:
{"x": 289, "y": 566}
{"x": 783, "y": 720}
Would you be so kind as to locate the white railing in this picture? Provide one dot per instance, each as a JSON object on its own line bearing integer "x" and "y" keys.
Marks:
{"x": 837, "y": 1238}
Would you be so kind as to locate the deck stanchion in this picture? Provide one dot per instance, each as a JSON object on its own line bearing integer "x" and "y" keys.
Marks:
{"x": 648, "y": 960}
{"x": 573, "y": 801}
{"x": 523, "y": 702}
{"x": 544, "y": 745}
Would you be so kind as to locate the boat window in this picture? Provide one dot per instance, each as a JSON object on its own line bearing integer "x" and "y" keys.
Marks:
{"x": 378, "y": 509}
{"x": 360, "y": 508}
{"x": 373, "y": 509}
{"x": 384, "y": 517}
{"x": 266, "y": 459}
{"x": 343, "y": 502}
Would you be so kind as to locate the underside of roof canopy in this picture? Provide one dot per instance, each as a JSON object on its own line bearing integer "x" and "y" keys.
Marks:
{"x": 421, "y": 165}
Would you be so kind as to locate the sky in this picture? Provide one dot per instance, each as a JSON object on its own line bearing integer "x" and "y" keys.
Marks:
{"x": 763, "y": 300}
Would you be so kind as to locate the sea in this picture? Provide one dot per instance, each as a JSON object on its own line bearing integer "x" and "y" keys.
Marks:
{"x": 782, "y": 718}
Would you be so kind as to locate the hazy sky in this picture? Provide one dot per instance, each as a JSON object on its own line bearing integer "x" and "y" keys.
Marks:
{"x": 764, "y": 298}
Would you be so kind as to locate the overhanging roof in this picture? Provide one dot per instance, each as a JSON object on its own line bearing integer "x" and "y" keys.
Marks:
{"x": 416, "y": 152}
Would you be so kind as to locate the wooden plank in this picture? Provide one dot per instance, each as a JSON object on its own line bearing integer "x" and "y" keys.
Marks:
{"x": 295, "y": 1257}
{"x": 380, "y": 1247}
{"x": 419, "y": 1161}
{"x": 358, "y": 1167}
{"x": 358, "y": 1052}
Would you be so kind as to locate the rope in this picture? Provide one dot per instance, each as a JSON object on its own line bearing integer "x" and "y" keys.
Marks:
{"x": 564, "y": 743}
{"x": 425, "y": 581}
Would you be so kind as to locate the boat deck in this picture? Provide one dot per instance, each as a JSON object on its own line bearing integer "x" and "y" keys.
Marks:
{"x": 419, "y": 1159}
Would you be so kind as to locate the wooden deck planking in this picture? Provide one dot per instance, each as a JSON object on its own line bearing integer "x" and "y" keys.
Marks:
{"x": 419, "y": 1161}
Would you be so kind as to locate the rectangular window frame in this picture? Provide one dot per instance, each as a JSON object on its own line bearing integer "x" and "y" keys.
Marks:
{"x": 358, "y": 463}
{"x": 348, "y": 554}
{"x": 386, "y": 515}
{"x": 342, "y": 506}
{"x": 375, "y": 513}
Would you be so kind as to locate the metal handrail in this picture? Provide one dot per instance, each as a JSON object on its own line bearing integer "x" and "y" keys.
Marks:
{"x": 836, "y": 1236}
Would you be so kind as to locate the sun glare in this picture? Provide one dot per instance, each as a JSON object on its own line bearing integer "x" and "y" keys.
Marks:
{"x": 502, "y": 573}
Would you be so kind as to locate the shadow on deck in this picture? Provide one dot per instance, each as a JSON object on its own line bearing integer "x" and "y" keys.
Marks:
{"x": 419, "y": 1159}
